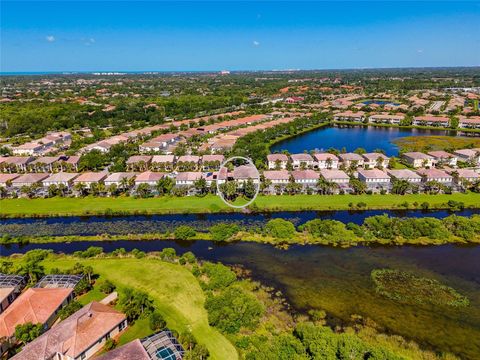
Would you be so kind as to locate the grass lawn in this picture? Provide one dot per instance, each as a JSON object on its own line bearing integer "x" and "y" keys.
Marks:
{"x": 175, "y": 291}
{"x": 212, "y": 203}
{"x": 437, "y": 142}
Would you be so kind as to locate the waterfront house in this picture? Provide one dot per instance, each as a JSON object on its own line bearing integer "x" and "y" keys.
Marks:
{"x": 418, "y": 159}
{"x": 374, "y": 177}
{"x": 336, "y": 176}
{"x": 61, "y": 178}
{"x": 386, "y": 119}
{"x": 79, "y": 336}
{"x": 148, "y": 177}
{"x": 464, "y": 174}
{"x": 6, "y": 179}
{"x": 302, "y": 161}
{"x": 187, "y": 178}
{"x": 244, "y": 173}
{"x": 469, "y": 122}
{"x": 435, "y": 175}
{"x": 351, "y": 116}
{"x": 431, "y": 120}
{"x": 277, "y": 177}
{"x": 326, "y": 161}
{"x": 35, "y": 305}
{"x": 117, "y": 178}
{"x": 139, "y": 162}
{"x": 29, "y": 179}
{"x": 162, "y": 162}
{"x": 351, "y": 160}
{"x": 90, "y": 178}
{"x": 373, "y": 160}
{"x": 442, "y": 158}
{"x": 10, "y": 287}
{"x": 468, "y": 155}
{"x": 406, "y": 175}
{"x": 307, "y": 178}
{"x": 212, "y": 162}
{"x": 277, "y": 161}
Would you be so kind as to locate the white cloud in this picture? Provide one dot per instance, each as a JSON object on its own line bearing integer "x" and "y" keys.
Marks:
{"x": 89, "y": 41}
{"x": 256, "y": 43}
{"x": 420, "y": 51}
{"x": 50, "y": 38}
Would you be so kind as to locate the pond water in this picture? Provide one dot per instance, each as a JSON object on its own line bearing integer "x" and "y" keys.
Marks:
{"x": 137, "y": 224}
{"x": 338, "y": 281}
{"x": 380, "y": 102}
{"x": 351, "y": 137}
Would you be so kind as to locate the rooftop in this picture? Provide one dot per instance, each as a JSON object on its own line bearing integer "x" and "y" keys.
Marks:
{"x": 305, "y": 175}
{"x": 325, "y": 157}
{"x": 277, "y": 157}
{"x": 373, "y": 174}
{"x": 301, "y": 157}
{"x": 149, "y": 176}
{"x": 276, "y": 175}
{"x": 403, "y": 174}
{"x": 61, "y": 177}
{"x": 333, "y": 174}
{"x": 91, "y": 177}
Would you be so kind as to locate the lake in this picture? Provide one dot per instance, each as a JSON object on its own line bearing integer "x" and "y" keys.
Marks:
{"x": 137, "y": 224}
{"x": 352, "y": 137}
{"x": 338, "y": 281}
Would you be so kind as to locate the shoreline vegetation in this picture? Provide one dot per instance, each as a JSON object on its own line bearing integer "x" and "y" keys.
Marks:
{"x": 219, "y": 311}
{"x": 113, "y": 206}
{"x": 375, "y": 230}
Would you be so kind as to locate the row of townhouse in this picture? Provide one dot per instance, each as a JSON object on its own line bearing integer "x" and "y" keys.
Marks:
{"x": 395, "y": 119}
{"x": 327, "y": 160}
{"x": 43, "y": 145}
{"x": 41, "y": 164}
{"x": 171, "y": 162}
{"x": 441, "y": 158}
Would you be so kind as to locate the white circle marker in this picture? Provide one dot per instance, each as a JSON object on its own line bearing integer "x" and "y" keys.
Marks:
{"x": 250, "y": 162}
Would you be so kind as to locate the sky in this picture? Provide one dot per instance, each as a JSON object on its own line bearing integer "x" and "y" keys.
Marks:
{"x": 208, "y": 36}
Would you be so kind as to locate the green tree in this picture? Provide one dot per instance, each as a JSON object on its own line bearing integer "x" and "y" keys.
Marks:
{"x": 184, "y": 232}
{"x": 27, "y": 332}
{"x": 280, "y": 228}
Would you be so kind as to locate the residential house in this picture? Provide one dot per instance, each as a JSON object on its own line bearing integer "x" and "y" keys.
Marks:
{"x": 351, "y": 160}
{"x": 418, "y": 159}
{"x": 374, "y": 177}
{"x": 460, "y": 175}
{"x": 187, "y": 178}
{"x": 148, "y": 177}
{"x": 336, "y": 176}
{"x": 29, "y": 179}
{"x": 15, "y": 163}
{"x": 351, "y": 116}
{"x": 139, "y": 162}
{"x": 277, "y": 161}
{"x": 373, "y": 160}
{"x": 277, "y": 177}
{"x": 28, "y": 149}
{"x": 6, "y": 179}
{"x": 118, "y": 178}
{"x": 188, "y": 163}
{"x": 386, "y": 119}
{"x": 469, "y": 123}
{"x": 212, "y": 162}
{"x": 78, "y": 337}
{"x": 244, "y": 173}
{"x": 443, "y": 158}
{"x": 326, "y": 161}
{"x": 90, "y": 178}
{"x": 406, "y": 175}
{"x": 44, "y": 163}
{"x": 61, "y": 178}
{"x": 306, "y": 178}
{"x": 468, "y": 155}
{"x": 10, "y": 288}
{"x": 430, "y": 120}
{"x": 35, "y": 305}
{"x": 301, "y": 161}
{"x": 162, "y": 162}
{"x": 435, "y": 175}
{"x": 70, "y": 164}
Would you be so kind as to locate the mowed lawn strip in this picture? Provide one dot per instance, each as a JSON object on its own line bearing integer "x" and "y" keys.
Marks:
{"x": 213, "y": 204}
{"x": 175, "y": 291}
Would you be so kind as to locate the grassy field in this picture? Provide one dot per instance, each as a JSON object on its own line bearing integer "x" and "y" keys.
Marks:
{"x": 213, "y": 204}
{"x": 437, "y": 142}
{"x": 175, "y": 291}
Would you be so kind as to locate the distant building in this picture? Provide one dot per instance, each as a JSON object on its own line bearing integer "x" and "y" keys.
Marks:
{"x": 61, "y": 178}
{"x": 443, "y": 158}
{"x": 277, "y": 161}
{"x": 302, "y": 160}
{"x": 326, "y": 161}
{"x": 29, "y": 179}
{"x": 430, "y": 120}
{"x": 187, "y": 178}
{"x": 386, "y": 119}
{"x": 358, "y": 116}
{"x": 418, "y": 159}
{"x": 406, "y": 175}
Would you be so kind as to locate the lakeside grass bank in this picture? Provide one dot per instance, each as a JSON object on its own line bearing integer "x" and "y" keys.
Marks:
{"x": 88, "y": 206}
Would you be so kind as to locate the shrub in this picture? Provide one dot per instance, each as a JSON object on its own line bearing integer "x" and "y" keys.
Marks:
{"x": 184, "y": 232}
{"x": 68, "y": 310}
{"x": 280, "y": 228}
{"x": 107, "y": 287}
{"x": 156, "y": 321}
{"x": 222, "y": 232}
{"x": 219, "y": 276}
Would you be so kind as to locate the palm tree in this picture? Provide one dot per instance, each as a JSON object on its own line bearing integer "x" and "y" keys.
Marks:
{"x": 400, "y": 187}
{"x": 32, "y": 270}
{"x": 80, "y": 188}
{"x": 124, "y": 183}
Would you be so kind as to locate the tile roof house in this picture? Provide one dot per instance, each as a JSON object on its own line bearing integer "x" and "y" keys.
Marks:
{"x": 277, "y": 159}
{"x": 29, "y": 179}
{"x": 435, "y": 175}
{"x": 299, "y": 160}
{"x": 6, "y": 179}
{"x": 15, "y": 163}
{"x": 405, "y": 174}
{"x": 373, "y": 177}
{"x": 443, "y": 158}
{"x": 350, "y": 159}
{"x": 133, "y": 350}
{"x": 116, "y": 178}
{"x": 61, "y": 178}
{"x": 162, "y": 162}
{"x": 326, "y": 161}
{"x": 187, "y": 178}
{"x": 465, "y": 155}
{"x": 358, "y": 116}
{"x": 139, "y": 162}
{"x": 246, "y": 172}
{"x": 386, "y": 118}
{"x": 418, "y": 159}
{"x": 148, "y": 177}
{"x": 430, "y": 120}
{"x": 277, "y": 176}
{"x": 373, "y": 160}
{"x": 334, "y": 175}
{"x": 464, "y": 174}
{"x": 79, "y": 336}
{"x": 188, "y": 162}
{"x": 44, "y": 163}
{"x": 305, "y": 177}
{"x": 469, "y": 123}
{"x": 90, "y": 178}
{"x": 212, "y": 162}
{"x": 35, "y": 305}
